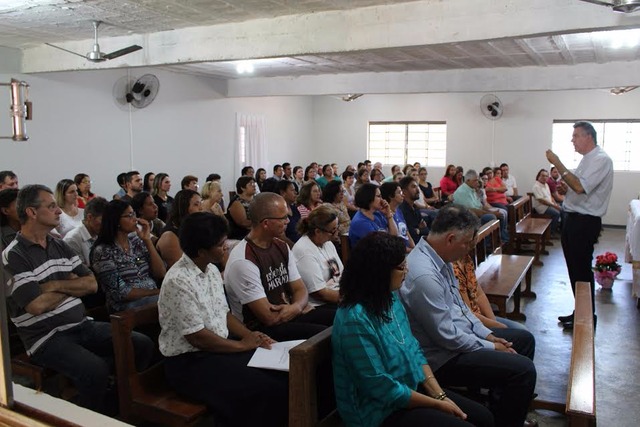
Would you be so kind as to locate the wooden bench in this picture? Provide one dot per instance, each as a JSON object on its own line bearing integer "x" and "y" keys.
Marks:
{"x": 580, "y": 405}
{"x": 305, "y": 362}
{"x": 146, "y": 395}
{"x": 345, "y": 248}
{"x": 523, "y": 226}
{"x": 499, "y": 275}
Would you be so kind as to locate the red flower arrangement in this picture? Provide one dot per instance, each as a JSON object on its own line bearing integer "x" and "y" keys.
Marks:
{"x": 607, "y": 262}
{"x": 606, "y": 269}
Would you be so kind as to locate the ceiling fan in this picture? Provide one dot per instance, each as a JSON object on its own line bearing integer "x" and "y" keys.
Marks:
{"x": 95, "y": 55}
{"x": 623, "y": 6}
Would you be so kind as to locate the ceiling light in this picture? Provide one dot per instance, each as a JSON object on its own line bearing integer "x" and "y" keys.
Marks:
{"x": 619, "y": 39}
{"x": 244, "y": 67}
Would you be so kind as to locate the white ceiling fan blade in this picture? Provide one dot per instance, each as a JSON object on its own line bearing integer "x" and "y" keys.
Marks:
{"x": 66, "y": 50}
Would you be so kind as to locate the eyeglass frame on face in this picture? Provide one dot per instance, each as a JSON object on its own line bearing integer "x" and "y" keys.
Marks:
{"x": 130, "y": 215}
{"x": 284, "y": 218}
{"x": 335, "y": 230}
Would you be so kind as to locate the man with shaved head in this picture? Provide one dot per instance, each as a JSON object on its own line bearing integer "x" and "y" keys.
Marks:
{"x": 262, "y": 281}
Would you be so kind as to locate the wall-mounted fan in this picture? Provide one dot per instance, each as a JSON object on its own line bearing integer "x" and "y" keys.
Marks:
{"x": 137, "y": 92}
{"x": 95, "y": 55}
{"x": 623, "y": 6}
{"x": 491, "y": 107}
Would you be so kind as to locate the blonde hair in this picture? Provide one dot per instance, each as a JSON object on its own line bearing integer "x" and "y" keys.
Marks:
{"x": 209, "y": 188}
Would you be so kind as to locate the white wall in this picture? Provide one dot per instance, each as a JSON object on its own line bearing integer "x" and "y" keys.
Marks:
{"x": 521, "y": 136}
{"x": 189, "y": 129}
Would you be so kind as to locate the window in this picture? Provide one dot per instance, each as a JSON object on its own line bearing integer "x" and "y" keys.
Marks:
{"x": 406, "y": 143}
{"x": 619, "y": 138}
{"x": 242, "y": 147}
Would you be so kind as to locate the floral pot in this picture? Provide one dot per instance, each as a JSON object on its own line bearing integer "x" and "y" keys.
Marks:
{"x": 606, "y": 278}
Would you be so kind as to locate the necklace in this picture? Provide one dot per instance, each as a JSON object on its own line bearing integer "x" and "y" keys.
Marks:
{"x": 393, "y": 319}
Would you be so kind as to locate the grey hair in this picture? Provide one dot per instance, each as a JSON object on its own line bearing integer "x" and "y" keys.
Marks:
{"x": 29, "y": 197}
{"x": 471, "y": 174}
{"x": 456, "y": 219}
{"x": 588, "y": 128}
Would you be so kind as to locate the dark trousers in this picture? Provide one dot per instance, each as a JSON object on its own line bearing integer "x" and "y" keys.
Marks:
{"x": 511, "y": 378}
{"x": 304, "y": 326}
{"x": 579, "y": 235}
{"x": 477, "y": 415}
{"x": 84, "y": 353}
{"x": 237, "y": 394}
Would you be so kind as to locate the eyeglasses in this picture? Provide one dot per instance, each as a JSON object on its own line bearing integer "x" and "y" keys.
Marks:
{"x": 130, "y": 215}
{"x": 283, "y": 218}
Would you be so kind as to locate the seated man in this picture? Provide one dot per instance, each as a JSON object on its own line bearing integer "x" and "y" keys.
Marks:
{"x": 206, "y": 348}
{"x": 44, "y": 302}
{"x": 81, "y": 238}
{"x": 8, "y": 179}
{"x": 132, "y": 185}
{"x": 460, "y": 349}
{"x": 510, "y": 181}
{"x": 415, "y": 223}
{"x": 263, "y": 285}
{"x": 466, "y": 196}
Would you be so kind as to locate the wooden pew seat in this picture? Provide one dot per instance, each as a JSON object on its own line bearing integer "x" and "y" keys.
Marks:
{"x": 523, "y": 226}
{"x": 146, "y": 395}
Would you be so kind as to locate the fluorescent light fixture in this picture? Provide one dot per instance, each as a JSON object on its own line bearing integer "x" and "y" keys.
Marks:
{"x": 244, "y": 67}
{"x": 619, "y": 39}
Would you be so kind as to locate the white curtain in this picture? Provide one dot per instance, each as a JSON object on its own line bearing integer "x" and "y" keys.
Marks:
{"x": 255, "y": 142}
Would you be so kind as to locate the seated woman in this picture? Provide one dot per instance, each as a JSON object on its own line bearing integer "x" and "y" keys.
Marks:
{"x": 66, "y": 195}
{"x": 147, "y": 182}
{"x": 475, "y": 298}
{"x": 544, "y": 203}
{"x": 298, "y": 177}
{"x": 83, "y": 183}
{"x": 448, "y": 183}
{"x": 145, "y": 208}
{"x": 261, "y": 177}
{"x": 374, "y": 214}
{"x": 238, "y": 210}
{"x": 316, "y": 257}
{"x": 206, "y": 348}
{"x": 185, "y": 203}
{"x": 380, "y": 373}
{"x": 124, "y": 259}
{"x": 496, "y": 189}
{"x": 9, "y": 221}
{"x": 349, "y": 179}
{"x": 309, "y": 198}
{"x": 161, "y": 187}
{"x": 310, "y": 174}
{"x": 362, "y": 177}
{"x": 333, "y": 195}
{"x": 211, "y": 198}
{"x": 392, "y": 194}
{"x": 426, "y": 188}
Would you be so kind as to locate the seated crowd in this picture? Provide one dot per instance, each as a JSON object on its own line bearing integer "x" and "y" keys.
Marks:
{"x": 267, "y": 268}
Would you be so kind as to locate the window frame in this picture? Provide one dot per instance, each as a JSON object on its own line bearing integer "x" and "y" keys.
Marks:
{"x": 407, "y": 123}
{"x": 632, "y": 168}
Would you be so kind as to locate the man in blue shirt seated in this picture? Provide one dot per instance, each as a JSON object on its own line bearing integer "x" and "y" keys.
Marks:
{"x": 460, "y": 349}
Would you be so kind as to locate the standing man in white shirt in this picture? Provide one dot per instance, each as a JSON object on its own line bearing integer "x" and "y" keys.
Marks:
{"x": 588, "y": 190}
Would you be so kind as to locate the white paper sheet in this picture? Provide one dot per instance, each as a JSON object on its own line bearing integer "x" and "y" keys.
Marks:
{"x": 277, "y": 358}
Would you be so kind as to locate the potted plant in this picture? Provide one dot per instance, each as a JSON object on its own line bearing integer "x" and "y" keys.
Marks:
{"x": 606, "y": 269}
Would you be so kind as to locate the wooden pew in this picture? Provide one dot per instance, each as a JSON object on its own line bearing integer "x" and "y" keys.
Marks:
{"x": 580, "y": 405}
{"x": 501, "y": 276}
{"x": 146, "y": 395}
{"x": 305, "y": 361}
{"x": 581, "y": 390}
{"x": 523, "y": 226}
{"x": 345, "y": 248}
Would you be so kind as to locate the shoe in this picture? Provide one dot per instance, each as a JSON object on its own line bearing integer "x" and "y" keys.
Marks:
{"x": 564, "y": 319}
{"x": 530, "y": 423}
{"x": 569, "y": 324}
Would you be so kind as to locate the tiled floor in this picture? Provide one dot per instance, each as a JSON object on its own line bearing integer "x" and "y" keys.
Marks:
{"x": 617, "y": 340}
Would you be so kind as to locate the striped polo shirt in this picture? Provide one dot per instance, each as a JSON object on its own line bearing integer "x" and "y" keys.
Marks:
{"x": 31, "y": 265}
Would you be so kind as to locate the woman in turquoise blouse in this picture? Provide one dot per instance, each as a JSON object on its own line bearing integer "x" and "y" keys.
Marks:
{"x": 381, "y": 375}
